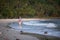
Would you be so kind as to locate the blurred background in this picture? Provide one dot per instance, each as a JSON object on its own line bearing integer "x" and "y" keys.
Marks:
{"x": 29, "y": 8}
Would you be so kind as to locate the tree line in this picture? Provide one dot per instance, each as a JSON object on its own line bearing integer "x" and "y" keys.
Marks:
{"x": 29, "y": 8}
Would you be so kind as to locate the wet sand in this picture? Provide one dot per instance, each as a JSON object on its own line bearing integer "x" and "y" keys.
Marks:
{"x": 6, "y": 33}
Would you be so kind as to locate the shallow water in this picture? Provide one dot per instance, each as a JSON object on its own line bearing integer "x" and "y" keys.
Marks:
{"x": 52, "y": 27}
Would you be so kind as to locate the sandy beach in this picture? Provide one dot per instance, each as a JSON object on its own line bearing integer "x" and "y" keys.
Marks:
{"x": 7, "y": 33}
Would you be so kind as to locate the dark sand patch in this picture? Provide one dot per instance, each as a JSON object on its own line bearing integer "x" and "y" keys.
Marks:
{"x": 42, "y": 37}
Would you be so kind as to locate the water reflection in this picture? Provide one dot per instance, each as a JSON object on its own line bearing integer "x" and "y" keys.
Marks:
{"x": 39, "y": 27}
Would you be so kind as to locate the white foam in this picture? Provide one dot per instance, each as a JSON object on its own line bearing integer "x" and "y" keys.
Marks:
{"x": 35, "y": 24}
{"x": 51, "y": 25}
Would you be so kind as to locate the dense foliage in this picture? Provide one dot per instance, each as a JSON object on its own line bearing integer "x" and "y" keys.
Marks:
{"x": 29, "y": 8}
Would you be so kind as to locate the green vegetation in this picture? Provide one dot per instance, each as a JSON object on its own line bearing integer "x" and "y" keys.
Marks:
{"x": 29, "y": 8}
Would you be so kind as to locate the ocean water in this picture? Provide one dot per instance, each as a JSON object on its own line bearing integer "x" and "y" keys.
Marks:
{"x": 52, "y": 27}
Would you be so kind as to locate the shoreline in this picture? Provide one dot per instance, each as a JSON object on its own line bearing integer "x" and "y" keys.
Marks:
{"x": 43, "y": 37}
{"x": 4, "y": 23}
{"x": 35, "y": 18}
{"x": 9, "y": 34}
{"x": 27, "y": 19}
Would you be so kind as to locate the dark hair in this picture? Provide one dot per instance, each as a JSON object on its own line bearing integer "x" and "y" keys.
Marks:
{"x": 17, "y": 39}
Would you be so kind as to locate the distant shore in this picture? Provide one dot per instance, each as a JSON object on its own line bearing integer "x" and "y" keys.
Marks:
{"x": 25, "y": 19}
{"x": 32, "y": 18}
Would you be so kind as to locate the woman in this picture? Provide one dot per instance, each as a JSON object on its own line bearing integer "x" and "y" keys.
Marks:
{"x": 20, "y": 24}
